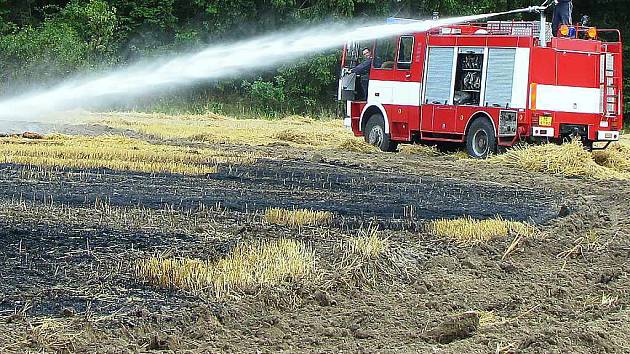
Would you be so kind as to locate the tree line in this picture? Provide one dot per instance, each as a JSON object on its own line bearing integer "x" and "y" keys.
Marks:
{"x": 45, "y": 41}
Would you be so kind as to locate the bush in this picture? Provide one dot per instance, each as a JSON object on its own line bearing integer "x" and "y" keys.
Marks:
{"x": 95, "y": 22}
{"x": 75, "y": 39}
{"x": 41, "y": 54}
{"x": 297, "y": 88}
{"x": 267, "y": 95}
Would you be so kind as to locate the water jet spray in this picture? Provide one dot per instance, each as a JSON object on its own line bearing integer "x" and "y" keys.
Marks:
{"x": 216, "y": 62}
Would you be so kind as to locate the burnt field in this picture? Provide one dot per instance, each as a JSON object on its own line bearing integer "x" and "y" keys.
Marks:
{"x": 349, "y": 191}
{"x": 293, "y": 248}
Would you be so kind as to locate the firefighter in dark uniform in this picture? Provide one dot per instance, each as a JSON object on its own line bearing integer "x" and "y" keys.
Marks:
{"x": 562, "y": 13}
{"x": 363, "y": 70}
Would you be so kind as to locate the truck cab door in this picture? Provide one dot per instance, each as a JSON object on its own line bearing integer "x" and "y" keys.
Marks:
{"x": 405, "y": 117}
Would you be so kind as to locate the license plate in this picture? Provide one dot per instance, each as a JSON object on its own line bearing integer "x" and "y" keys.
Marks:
{"x": 545, "y": 121}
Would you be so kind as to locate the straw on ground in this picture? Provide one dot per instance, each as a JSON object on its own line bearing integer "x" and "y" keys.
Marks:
{"x": 616, "y": 157}
{"x": 247, "y": 267}
{"x": 298, "y": 217}
{"x": 116, "y": 153}
{"x": 212, "y": 128}
{"x": 569, "y": 159}
{"x": 472, "y": 231}
{"x": 357, "y": 145}
{"x": 368, "y": 243}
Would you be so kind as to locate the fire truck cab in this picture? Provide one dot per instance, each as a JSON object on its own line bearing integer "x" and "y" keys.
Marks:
{"x": 486, "y": 85}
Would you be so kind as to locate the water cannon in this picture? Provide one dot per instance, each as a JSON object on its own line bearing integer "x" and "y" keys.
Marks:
{"x": 543, "y": 19}
{"x": 536, "y": 9}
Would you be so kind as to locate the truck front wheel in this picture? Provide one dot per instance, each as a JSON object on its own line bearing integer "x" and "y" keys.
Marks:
{"x": 375, "y": 134}
{"x": 481, "y": 140}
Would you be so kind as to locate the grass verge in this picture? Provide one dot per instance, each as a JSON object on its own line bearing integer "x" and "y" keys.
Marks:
{"x": 246, "y": 268}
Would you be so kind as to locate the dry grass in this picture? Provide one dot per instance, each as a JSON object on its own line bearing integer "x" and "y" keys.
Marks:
{"x": 295, "y": 130}
{"x": 295, "y": 136}
{"x": 590, "y": 241}
{"x": 469, "y": 231}
{"x": 246, "y": 268}
{"x": 116, "y": 153}
{"x": 357, "y": 145}
{"x": 570, "y": 160}
{"x": 418, "y": 149}
{"x": 460, "y": 155}
{"x": 297, "y": 217}
{"x": 609, "y": 300}
{"x": 488, "y": 318}
{"x": 54, "y": 335}
{"x": 616, "y": 157}
{"x": 368, "y": 244}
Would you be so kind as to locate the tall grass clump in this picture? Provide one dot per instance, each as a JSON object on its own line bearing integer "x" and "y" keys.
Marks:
{"x": 246, "y": 268}
{"x": 616, "y": 157}
{"x": 570, "y": 160}
{"x": 470, "y": 231}
{"x": 298, "y": 217}
{"x": 368, "y": 244}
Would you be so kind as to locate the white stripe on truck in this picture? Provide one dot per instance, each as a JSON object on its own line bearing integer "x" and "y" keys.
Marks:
{"x": 568, "y": 99}
{"x": 394, "y": 92}
{"x": 520, "y": 80}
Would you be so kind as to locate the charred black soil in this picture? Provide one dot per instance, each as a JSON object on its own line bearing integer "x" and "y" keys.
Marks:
{"x": 349, "y": 191}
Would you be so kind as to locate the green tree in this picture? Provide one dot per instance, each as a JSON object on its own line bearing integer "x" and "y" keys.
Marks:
{"x": 76, "y": 38}
{"x": 48, "y": 40}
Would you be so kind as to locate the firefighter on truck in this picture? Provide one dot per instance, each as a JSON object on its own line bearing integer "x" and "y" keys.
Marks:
{"x": 486, "y": 86}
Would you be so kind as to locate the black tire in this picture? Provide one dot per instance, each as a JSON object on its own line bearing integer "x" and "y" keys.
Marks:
{"x": 481, "y": 140}
{"x": 374, "y": 134}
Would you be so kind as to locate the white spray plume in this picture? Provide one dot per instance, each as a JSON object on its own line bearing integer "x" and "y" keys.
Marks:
{"x": 215, "y": 62}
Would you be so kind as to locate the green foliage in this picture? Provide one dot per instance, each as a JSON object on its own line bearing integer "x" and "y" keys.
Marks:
{"x": 95, "y": 22}
{"x": 48, "y": 52}
{"x": 311, "y": 82}
{"x": 306, "y": 86}
{"x": 267, "y": 95}
{"x": 75, "y": 39}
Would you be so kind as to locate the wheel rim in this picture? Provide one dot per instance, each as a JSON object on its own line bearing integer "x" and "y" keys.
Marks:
{"x": 480, "y": 143}
{"x": 376, "y": 136}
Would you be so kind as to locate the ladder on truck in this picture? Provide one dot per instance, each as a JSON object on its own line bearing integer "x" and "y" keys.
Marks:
{"x": 610, "y": 82}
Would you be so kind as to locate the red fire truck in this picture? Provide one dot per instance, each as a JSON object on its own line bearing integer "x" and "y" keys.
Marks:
{"x": 486, "y": 85}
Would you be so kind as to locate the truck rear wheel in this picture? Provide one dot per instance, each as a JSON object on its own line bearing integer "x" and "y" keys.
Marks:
{"x": 375, "y": 134}
{"x": 481, "y": 140}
